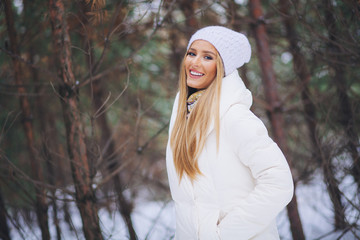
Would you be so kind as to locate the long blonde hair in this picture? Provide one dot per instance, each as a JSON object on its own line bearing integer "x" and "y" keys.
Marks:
{"x": 188, "y": 135}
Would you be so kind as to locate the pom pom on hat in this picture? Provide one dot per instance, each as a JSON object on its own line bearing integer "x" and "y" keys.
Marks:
{"x": 233, "y": 47}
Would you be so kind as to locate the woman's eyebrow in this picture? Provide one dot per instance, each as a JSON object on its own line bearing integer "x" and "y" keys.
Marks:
{"x": 209, "y": 52}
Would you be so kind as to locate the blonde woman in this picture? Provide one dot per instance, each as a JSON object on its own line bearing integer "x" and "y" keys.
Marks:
{"x": 228, "y": 179}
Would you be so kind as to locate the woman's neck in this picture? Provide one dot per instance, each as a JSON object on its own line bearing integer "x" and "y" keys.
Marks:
{"x": 191, "y": 91}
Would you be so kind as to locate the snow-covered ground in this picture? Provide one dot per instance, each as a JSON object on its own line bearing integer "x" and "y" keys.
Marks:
{"x": 156, "y": 220}
{"x": 315, "y": 209}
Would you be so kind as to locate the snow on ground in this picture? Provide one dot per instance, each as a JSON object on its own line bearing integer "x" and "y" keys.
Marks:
{"x": 315, "y": 209}
{"x": 156, "y": 220}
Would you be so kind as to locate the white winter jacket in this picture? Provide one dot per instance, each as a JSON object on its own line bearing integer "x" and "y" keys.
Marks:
{"x": 244, "y": 185}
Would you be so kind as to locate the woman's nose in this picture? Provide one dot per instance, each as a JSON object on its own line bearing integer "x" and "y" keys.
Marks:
{"x": 196, "y": 61}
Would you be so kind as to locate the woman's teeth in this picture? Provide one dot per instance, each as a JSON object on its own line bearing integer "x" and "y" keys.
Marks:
{"x": 196, "y": 73}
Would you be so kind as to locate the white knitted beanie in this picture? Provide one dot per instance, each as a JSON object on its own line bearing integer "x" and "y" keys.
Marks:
{"x": 233, "y": 47}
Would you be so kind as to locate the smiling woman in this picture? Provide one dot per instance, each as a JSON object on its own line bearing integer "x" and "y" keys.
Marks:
{"x": 200, "y": 64}
{"x": 227, "y": 177}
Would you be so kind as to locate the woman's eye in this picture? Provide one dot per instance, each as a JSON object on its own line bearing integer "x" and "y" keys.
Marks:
{"x": 208, "y": 58}
{"x": 191, "y": 54}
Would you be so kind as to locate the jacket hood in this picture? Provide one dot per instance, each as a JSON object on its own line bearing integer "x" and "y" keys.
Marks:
{"x": 233, "y": 91}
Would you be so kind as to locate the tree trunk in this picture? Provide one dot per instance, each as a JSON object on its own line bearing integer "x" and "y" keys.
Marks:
{"x": 234, "y": 19}
{"x": 335, "y": 62}
{"x": 303, "y": 73}
{"x": 275, "y": 114}
{"x": 107, "y": 143}
{"x": 188, "y": 9}
{"x": 108, "y": 146}
{"x": 177, "y": 52}
{"x": 36, "y": 169}
{"x": 48, "y": 144}
{"x": 67, "y": 217}
{"x": 75, "y": 136}
{"x": 43, "y": 120}
{"x": 4, "y": 228}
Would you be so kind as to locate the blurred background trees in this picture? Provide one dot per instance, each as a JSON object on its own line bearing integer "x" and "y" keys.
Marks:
{"x": 87, "y": 87}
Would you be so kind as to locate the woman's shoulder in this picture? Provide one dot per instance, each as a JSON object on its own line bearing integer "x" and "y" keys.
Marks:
{"x": 176, "y": 101}
{"x": 239, "y": 112}
{"x": 242, "y": 118}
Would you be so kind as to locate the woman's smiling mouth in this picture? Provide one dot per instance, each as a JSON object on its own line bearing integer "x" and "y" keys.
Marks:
{"x": 196, "y": 74}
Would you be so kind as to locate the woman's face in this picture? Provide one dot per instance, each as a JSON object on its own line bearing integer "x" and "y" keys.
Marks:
{"x": 200, "y": 64}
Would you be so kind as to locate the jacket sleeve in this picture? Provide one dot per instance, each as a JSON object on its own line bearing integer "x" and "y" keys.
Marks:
{"x": 274, "y": 187}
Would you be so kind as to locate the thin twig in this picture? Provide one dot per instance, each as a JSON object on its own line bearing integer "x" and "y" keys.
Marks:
{"x": 140, "y": 149}
{"x": 3, "y": 131}
{"x": 97, "y": 114}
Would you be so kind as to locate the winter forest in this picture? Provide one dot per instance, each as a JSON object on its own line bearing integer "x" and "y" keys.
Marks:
{"x": 86, "y": 92}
